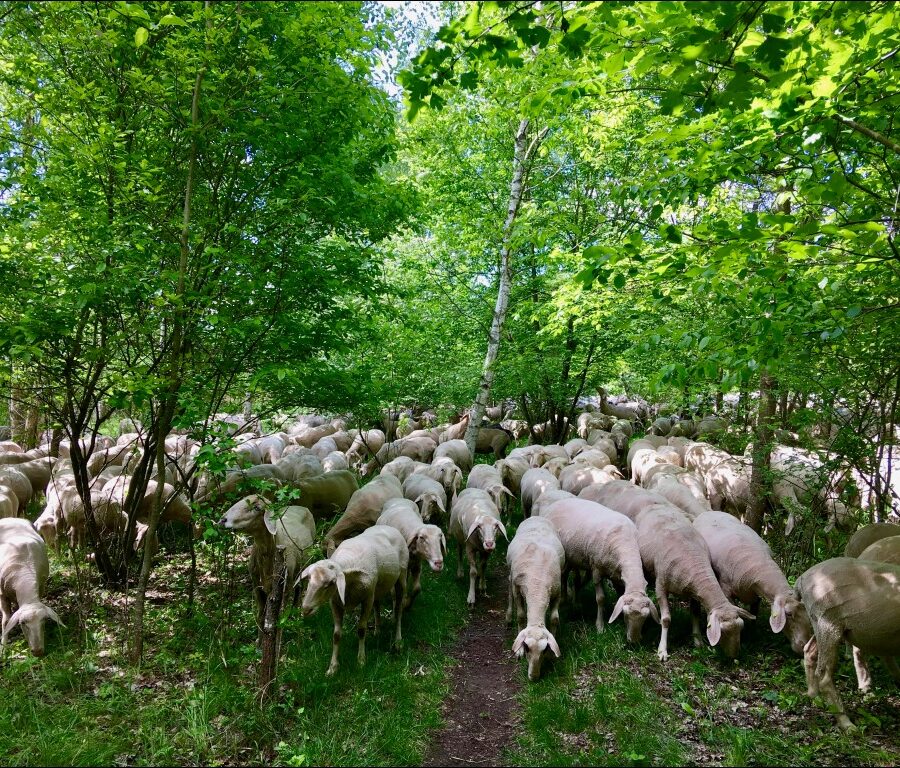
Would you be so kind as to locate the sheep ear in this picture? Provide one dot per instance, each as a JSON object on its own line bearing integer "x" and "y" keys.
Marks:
{"x": 440, "y": 504}
{"x": 713, "y": 629}
{"x": 554, "y": 646}
{"x": 508, "y": 492}
{"x": 778, "y": 618}
{"x": 51, "y": 614}
{"x": 12, "y": 624}
{"x": 418, "y": 498}
{"x": 269, "y": 520}
{"x": 519, "y": 644}
{"x": 745, "y": 614}
{"x": 341, "y": 582}
{"x": 472, "y": 529}
{"x": 502, "y": 529}
{"x": 443, "y": 545}
{"x": 654, "y": 613}
{"x": 305, "y": 575}
{"x": 620, "y": 605}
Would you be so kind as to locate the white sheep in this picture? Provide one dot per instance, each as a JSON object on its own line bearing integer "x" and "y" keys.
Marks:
{"x": 294, "y": 529}
{"x": 426, "y": 541}
{"x": 605, "y": 543}
{"x": 362, "y": 571}
{"x": 428, "y": 494}
{"x": 622, "y": 496}
{"x": 474, "y": 522}
{"x": 24, "y": 569}
{"x": 444, "y": 470}
{"x": 684, "y": 490}
{"x": 363, "y": 509}
{"x": 578, "y": 476}
{"x": 535, "y": 482}
{"x": 536, "y": 558}
{"x": 548, "y": 499}
{"x": 675, "y": 554}
{"x": 747, "y": 572}
{"x": 851, "y": 600}
{"x": 488, "y": 479}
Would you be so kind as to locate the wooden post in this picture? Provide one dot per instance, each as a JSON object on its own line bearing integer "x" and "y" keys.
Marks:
{"x": 270, "y": 632}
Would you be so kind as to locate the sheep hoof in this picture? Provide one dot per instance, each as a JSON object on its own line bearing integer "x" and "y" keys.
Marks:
{"x": 663, "y": 656}
{"x": 331, "y": 670}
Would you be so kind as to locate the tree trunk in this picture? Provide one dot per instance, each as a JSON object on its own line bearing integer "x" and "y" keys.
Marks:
{"x": 270, "y": 632}
{"x": 520, "y": 156}
{"x": 760, "y": 481}
{"x": 174, "y": 372}
{"x": 783, "y": 396}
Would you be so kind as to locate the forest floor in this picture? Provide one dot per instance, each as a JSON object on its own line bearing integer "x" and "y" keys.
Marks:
{"x": 480, "y": 715}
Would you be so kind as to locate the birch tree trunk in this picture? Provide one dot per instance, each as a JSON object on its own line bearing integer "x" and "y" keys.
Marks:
{"x": 520, "y": 157}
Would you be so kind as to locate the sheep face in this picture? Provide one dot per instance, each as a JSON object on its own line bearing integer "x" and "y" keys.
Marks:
{"x": 31, "y": 616}
{"x": 724, "y": 627}
{"x": 533, "y": 642}
{"x": 244, "y": 515}
{"x": 326, "y": 580}
{"x": 431, "y": 546}
{"x": 636, "y": 607}
{"x": 487, "y": 527}
{"x": 789, "y": 614}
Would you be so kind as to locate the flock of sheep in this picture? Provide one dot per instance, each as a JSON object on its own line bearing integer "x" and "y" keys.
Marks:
{"x": 675, "y": 525}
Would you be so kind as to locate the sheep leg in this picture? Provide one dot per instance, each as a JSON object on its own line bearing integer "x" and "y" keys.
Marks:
{"x": 5, "y": 613}
{"x": 376, "y": 618}
{"x": 473, "y": 576}
{"x": 399, "y": 601}
{"x": 459, "y": 560}
{"x": 521, "y": 609}
{"x": 482, "y": 566}
{"x": 665, "y": 619}
{"x": 364, "y": 611}
{"x": 863, "y": 676}
{"x": 554, "y": 614}
{"x": 810, "y": 657}
{"x": 696, "y": 616}
{"x": 510, "y": 605}
{"x": 337, "y": 612}
{"x": 415, "y": 577}
{"x": 600, "y": 597}
{"x": 825, "y": 672}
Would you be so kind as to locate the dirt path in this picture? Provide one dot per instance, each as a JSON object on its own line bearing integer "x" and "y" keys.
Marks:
{"x": 480, "y": 717}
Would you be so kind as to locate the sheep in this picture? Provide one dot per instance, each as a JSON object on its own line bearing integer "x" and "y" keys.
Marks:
{"x": 493, "y": 440}
{"x": 294, "y": 529}
{"x": 488, "y": 478}
{"x": 309, "y": 436}
{"x": 324, "y": 446}
{"x": 326, "y": 494}
{"x": 361, "y": 571}
{"x": 622, "y": 496}
{"x": 365, "y": 444}
{"x": 335, "y": 460}
{"x": 575, "y": 446}
{"x": 19, "y": 484}
{"x": 868, "y": 535}
{"x": 536, "y": 559}
{"x": 605, "y": 543}
{"x": 474, "y": 522}
{"x": 445, "y": 471}
{"x": 853, "y": 600}
{"x": 682, "y": 493}
{"x": 535, "y": 482}
{"x": 576, "y": 477}
{"x": 680, "y": 444}
{"x": 548, "y": 499}
{"x": 458, "y": 451}
{"x": 642, "y": 461}
{"x": 594, "y": 457}
{"x": 546, "y": 453}
{"x": 511, "y": 472}
{"x": 401, "y": 467}
{"x": 416, "y": 448}
{"x": 747, "y": 572}
{"x": 24, "y": 569}
{"x": 46, "y": 526}
{"x": 426, "y": 542}
{"x": 728, "y": 486}
{"x": 9, "y": 502}
{"x": 885, "y": 550}
{"x": 363, "y": 509}
{"x": 428, "y": 494}
{"x": 675, "y": 554}
{"x": 670, "y": 454}
{"x": 456, "y": 431}
{"x": 700, "y": 457}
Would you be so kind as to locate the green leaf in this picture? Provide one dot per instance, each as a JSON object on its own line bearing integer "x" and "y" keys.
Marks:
{"x": 140, "y": 36}
{"x": 619, "y": 280}
{"x": 704, "y": 342}
{"x": 171, "y": 20}
{"x": 854, "y": 311}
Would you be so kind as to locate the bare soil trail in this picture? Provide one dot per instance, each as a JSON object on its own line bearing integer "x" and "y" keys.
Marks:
{"x": 480, "y": 715}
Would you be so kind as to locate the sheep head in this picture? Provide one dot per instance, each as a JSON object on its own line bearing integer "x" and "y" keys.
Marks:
{"x": 637, "y": 607}
{"x": 533, "y": 642}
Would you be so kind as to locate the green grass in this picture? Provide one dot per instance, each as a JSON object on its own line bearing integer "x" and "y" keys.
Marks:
{"x": 193, "y": 701}
{"x": 607, "y": 703}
